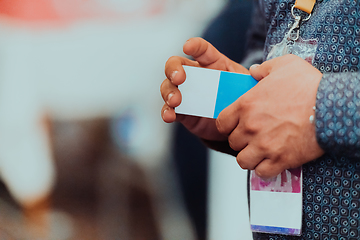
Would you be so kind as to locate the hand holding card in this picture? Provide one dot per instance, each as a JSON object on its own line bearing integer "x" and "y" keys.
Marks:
{"x": 205, "y": 56}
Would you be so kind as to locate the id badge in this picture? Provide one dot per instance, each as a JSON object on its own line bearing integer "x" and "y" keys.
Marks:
{"x": 276, "y": 204}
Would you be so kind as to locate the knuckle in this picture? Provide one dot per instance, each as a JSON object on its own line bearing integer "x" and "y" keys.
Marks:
{"x": 250, "y": 126}
{"x": 243, "y": 163}
{"x": 241, "y": 103}
{"x": 235, "y": 144}
{"x": 276, "y": 152}
{"x": 171, "y": 59}
{"x": 232, "y": 144}
{"x": 264, "y": 144}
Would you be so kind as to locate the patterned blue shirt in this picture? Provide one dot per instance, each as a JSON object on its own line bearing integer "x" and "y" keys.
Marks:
{"x": 331, "y": 184}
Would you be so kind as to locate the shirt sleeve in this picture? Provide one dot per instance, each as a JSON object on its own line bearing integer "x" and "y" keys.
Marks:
{"x": 338, "y": 114}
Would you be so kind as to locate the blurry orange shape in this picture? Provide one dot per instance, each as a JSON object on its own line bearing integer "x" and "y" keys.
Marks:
{"x": 29, "y": 10}
{"x": 49, "y": 10}
{"x": 78, "y": 9}
{"x": 70, "y": 10}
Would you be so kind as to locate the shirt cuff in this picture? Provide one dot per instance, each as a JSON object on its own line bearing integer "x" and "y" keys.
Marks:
{"x": 338, "y": 114}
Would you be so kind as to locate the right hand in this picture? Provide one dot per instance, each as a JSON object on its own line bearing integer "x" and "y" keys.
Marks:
{"x": 207, "y": 56}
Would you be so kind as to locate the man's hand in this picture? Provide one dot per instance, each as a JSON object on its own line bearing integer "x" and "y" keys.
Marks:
{"x": 270, "y": 124}
{"x": 206, "y": 56}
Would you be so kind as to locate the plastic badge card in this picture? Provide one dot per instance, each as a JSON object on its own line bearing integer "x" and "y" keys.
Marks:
{"x": 275, "y": 205}
{"x": 207, "y": 92}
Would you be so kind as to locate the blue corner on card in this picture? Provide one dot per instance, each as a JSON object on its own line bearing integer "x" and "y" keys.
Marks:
{"x": 231, "y": 87}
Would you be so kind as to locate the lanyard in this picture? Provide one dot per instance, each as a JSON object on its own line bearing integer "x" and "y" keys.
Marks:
{"x": 305, "y": 5}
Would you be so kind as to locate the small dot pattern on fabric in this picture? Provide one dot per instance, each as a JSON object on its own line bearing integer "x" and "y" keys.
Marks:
{"x": 331, "y": 184}
{"x": 338, "y": 114}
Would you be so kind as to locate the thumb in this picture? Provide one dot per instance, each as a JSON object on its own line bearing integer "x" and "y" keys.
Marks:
{"x": 260, "y": 71}
{"x": 202, "y": 51}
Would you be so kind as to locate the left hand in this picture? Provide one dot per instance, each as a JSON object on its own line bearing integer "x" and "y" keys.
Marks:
{"x": 205, "y": 55}
{"x": 270, "y": 124}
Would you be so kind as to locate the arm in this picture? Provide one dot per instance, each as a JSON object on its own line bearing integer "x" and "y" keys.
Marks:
{"x": 338, "y": 114}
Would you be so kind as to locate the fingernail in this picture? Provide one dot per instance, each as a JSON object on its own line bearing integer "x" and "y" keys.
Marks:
{"x": 165, "y": 110}
{"x": 173, "y": 75}
{"x": 169, "y": 97}
{"x": 254, "y": 66}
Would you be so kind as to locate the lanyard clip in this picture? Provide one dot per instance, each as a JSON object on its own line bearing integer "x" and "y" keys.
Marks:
{"x": 296, "y": 25}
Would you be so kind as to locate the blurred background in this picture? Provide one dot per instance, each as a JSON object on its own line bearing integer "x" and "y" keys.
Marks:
{"x": 84, "y": 153}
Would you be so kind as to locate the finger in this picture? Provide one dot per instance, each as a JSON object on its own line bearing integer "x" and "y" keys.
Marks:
{"x": 208, "y": 56}
{"x": 202, "y": 51}
{"x": 268, "y": 168}
{"x": 170, "y": 93}
{"x": 174, "y": 70}
{"x": 238, "y": 140}
{"x": 168, "y": 114}
{"x": 235, "y": 67}
{"x": 228, "y": 118}
{"x": 261, "y": 71}
{"x": 249, "y": 157}
{"x": 204, "y": 128}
